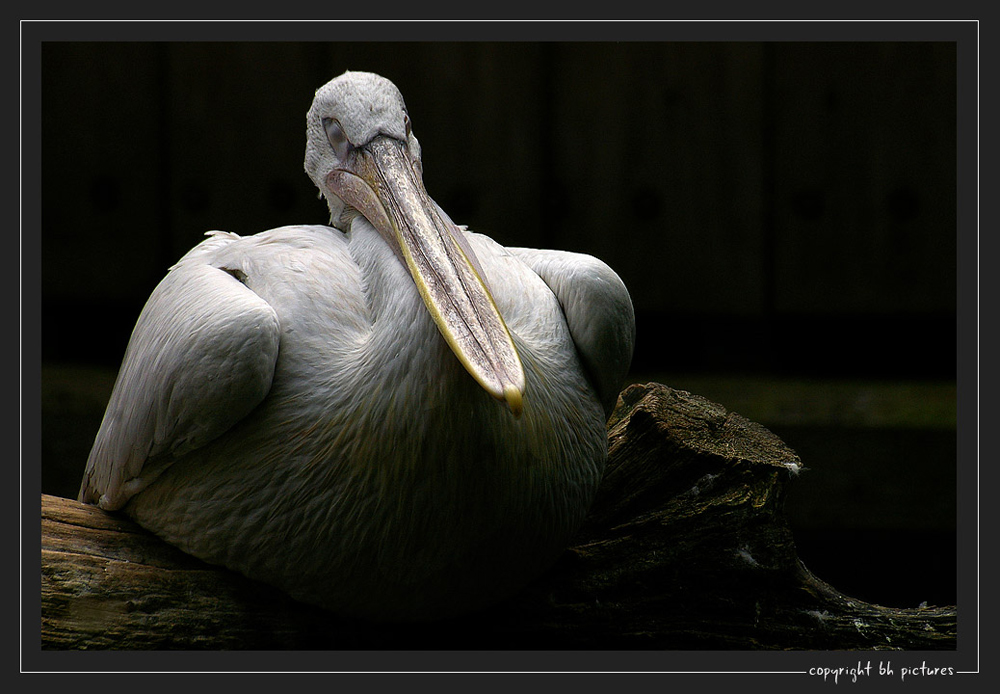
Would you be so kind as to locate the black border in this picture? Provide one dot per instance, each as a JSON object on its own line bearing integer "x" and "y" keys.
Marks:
{"x": 964, "y": 32}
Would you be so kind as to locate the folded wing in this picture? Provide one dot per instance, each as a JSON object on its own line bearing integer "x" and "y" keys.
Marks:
{"x": 201, "y": 357}
{"x": 598, "y": 312}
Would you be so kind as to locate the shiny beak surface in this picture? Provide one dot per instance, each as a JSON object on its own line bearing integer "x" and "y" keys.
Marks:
{"x": 385, "y": 186}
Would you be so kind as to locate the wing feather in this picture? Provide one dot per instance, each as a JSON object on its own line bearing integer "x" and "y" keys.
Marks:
{"x": 201, "y": 357}
{"x": 598, "y": 312}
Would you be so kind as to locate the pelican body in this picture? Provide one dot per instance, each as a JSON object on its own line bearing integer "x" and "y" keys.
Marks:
{"x": 390, "y": 417}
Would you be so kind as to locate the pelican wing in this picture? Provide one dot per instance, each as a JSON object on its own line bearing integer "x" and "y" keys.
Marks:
{"x": 598, "y": 312}
{"x": 201, "y": 357}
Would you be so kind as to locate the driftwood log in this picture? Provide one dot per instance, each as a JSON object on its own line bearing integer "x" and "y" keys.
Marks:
{"x": 686, "y": 547}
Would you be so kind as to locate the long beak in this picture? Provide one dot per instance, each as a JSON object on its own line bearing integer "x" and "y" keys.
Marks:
{"x": 385, "y": 187}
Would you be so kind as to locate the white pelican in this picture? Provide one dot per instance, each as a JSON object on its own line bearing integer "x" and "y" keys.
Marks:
{"x": 391, "y": 417}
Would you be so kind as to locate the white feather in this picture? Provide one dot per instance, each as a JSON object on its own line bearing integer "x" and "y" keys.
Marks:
{"x": 288, "y": 408}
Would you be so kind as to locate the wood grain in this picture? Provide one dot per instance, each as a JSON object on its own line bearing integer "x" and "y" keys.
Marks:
{"x": 686, "y": 547}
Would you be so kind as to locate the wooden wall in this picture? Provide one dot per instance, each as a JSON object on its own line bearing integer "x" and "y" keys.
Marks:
{"x": 751, "y": 195}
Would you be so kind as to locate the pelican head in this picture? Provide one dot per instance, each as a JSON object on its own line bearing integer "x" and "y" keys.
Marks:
{"x": 363, "y": 156}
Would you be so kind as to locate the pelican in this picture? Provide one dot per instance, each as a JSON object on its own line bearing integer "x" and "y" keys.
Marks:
{"x": 390, "y": 417}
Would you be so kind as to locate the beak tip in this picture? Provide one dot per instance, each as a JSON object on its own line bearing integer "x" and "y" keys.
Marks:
{"x": 515, "y": 400}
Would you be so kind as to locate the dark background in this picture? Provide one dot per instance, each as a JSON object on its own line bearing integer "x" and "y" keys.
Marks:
{"x": 783, "y": 213}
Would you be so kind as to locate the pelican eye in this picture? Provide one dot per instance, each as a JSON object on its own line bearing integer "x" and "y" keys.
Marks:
{"x": 406, "y": 124}
{"x": 336, "y": 137}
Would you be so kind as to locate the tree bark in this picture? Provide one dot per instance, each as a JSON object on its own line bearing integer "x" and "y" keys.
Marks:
{"x": 686, "y": 547}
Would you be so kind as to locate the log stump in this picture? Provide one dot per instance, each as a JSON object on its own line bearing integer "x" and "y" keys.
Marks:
{"x": 685, "y": 547}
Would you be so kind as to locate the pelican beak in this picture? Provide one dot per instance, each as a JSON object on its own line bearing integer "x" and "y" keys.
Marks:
{"x": 384, "y": 184}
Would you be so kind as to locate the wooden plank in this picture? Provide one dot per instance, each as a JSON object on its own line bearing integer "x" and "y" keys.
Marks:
{"x": 657, "y": 159}
{"x": 101, "y": 168}
{"x": 864, "y": 177}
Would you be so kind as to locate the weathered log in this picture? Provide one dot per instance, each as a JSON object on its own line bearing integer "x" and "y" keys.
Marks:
{"x": 686, "y": 547}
